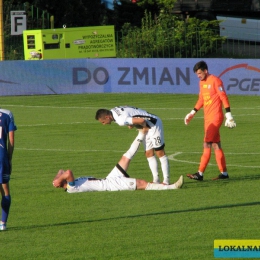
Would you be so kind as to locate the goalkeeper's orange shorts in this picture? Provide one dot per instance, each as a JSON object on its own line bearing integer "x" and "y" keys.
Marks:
{"x": 211, "y": 131}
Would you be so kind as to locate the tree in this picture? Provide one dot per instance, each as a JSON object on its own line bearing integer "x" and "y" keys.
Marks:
{"x": 75, "y": 13}
{"x": 167, "y": 36}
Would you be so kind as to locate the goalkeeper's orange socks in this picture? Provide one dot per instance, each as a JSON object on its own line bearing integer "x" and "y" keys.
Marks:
{"x": 204, "y": 160}
{"x": 221, "y": 161}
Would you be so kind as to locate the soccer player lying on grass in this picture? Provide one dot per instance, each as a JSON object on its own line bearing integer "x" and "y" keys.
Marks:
{"x": 117, "y": 179}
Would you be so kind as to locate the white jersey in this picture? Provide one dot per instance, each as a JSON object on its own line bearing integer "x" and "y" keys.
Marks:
{"x": 115, "y": 181}
{"x": 122, "y": 113}
{"x": 154, "y": 139}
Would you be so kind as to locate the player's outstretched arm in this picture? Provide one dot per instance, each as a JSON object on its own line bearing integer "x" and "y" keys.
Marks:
{"x": 139, "y": 121}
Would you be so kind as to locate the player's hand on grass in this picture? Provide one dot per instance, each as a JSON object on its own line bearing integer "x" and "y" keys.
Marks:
{"x": 230, "y": 122}
{"x": 189, "y": 116}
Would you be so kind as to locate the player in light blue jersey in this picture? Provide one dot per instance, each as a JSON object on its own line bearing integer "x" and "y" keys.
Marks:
{"x": 7, "y": 128}
{"x": 154, "y": 140}
{"x": 116, "y": 180}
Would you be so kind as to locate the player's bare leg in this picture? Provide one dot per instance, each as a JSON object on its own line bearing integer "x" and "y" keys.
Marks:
{"x": 143, "y": 185}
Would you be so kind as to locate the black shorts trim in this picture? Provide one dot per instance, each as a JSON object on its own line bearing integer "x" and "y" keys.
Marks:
{"x": 122, "y": 171}
{"x": 159, "y": 148}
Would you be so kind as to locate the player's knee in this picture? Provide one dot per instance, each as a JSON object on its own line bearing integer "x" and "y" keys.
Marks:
{"x": 216, "y": 146}
{"x": 160, "y": 153}
{"x": 161, "y": 148}
{"x": 149, "y": 153}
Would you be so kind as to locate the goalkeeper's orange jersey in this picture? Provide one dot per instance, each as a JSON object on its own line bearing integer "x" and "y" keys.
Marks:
{"x": 211, "y": 97}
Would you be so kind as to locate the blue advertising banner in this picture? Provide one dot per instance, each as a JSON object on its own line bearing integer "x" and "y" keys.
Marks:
{"x": 113, "y": 75}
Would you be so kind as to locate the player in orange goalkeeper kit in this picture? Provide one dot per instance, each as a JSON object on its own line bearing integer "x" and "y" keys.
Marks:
{"x": 212, "y": 97}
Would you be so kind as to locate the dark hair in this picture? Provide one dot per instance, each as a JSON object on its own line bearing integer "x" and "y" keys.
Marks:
{"x": 201, "y": 65}
{"x": 102, "y": 112}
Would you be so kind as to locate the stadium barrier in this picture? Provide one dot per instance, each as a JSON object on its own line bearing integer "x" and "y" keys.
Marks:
{"x": 113, "y": 75}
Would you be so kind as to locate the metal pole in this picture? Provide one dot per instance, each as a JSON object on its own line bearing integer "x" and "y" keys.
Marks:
{"x": 1, "y": 31}
{"x": 52, "y": 22}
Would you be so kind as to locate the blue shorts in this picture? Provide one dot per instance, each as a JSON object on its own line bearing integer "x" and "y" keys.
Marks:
{"x": 4, "y": 172}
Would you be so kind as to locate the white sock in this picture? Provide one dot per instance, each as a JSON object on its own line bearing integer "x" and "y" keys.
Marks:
{"x": 134, "y": 146}
{"x": 154, "y": 168}
{"x": 159, "y": 186}
{"x": 224, "y": 173}
{"x": 165, "y": 169}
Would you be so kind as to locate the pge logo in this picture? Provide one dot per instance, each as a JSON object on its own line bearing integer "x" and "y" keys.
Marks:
{"x": 246, "y": 78}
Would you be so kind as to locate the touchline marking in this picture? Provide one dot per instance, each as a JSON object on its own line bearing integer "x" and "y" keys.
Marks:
{"x": 225, "y": 153}
{"x": 65, "y": 150}
{"x": 71, "y": 123}
{"x": 180, "y": 118}
{"x": 200, "y": 117}
{"x": 155, "y": 108}
{"x": 170, "y": 157}
{"x": 173, "y": 158}
{"x": 49, "y": 107}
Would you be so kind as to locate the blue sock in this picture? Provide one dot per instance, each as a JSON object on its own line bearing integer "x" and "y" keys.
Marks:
{"x": 5, "y": 203}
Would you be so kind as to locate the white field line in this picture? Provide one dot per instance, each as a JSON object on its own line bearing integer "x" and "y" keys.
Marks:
{"x": 71, "y": 123}
{"x": 173, "y": 158}
{"x": 163, "y": 119}
{"x": 162, "y": 108}
{"x": 95, "y": 108}
{"x": 65, "y": 150}
{"x": 74, "y": 123}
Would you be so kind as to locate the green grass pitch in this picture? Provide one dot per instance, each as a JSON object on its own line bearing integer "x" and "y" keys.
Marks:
{"x": 60, "y": 131}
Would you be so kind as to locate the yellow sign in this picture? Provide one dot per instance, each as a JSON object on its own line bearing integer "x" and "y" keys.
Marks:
{"x": 237, "y": 248}
{"x": 67, "y": 43}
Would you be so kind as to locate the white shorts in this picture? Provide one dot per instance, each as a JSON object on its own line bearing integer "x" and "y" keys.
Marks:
{"x": 155, "y": 136}
{"x": 115, "y": 181}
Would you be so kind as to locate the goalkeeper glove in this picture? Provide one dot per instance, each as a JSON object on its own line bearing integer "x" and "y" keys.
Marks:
{"x": 189, "y": 116}
{"x": 230, "y": 122}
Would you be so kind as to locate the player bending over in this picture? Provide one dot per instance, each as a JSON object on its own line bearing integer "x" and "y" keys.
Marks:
{"x": 154, "y": 140}
{"x": 117, "y": 179}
